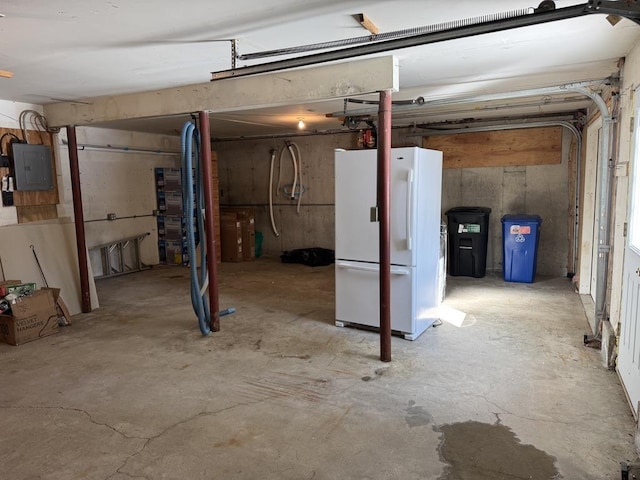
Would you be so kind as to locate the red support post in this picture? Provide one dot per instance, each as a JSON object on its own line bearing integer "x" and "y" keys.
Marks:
{"x": 209, "y": 218}
{"x": 78, "y": 215}
{"x": 384, "y": 215}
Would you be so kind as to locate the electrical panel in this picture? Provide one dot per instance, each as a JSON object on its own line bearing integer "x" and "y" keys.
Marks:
{"x": 32, "y": 165}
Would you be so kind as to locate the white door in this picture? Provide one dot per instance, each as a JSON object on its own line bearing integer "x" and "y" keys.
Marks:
{"x": 629, "y": 351}
{"x": 357, "y": 232}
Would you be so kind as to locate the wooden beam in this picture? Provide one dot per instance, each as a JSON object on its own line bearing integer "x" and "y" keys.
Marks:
{"x": 367, "y": 23}
{"x": 289, "y": 87}
{"x": 503, "y": 148}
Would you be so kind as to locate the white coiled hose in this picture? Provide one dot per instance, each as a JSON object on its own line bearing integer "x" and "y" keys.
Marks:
{"x": 296, "y": 160}
{"x": 273, "y": 222}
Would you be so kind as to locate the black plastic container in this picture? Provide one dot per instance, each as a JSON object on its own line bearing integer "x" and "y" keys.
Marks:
{"x": 468, "y": 237}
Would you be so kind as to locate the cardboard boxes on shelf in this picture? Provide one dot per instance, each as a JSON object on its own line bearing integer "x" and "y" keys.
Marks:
{"x": 172, "y": 231}
{"x": 171, "y": 220}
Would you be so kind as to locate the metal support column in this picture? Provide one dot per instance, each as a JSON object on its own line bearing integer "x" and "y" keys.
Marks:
{"x": 78, "y": 215}
{"x": 384, "y": 200}
{"x": 212, "y": 265}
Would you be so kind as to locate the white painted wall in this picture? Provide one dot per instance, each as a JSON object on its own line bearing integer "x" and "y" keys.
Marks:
{"x": 116, "y": 181}
{"x": 55, "y": 244}
{"x": 122, "y": 183}
{"x": 53, "y": 240}
{"x": 9, "y": 113}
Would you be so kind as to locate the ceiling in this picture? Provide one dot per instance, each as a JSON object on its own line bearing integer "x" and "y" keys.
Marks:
{"x": 78, "y": 49}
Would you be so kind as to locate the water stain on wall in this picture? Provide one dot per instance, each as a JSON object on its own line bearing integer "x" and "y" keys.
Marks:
{"x": 481, "y": 451}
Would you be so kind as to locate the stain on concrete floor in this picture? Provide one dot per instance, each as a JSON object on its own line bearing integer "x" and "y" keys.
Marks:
{"x": 378, "y": 373}
{"x": 480, "y": 451}
{"x": 417, "y": 416}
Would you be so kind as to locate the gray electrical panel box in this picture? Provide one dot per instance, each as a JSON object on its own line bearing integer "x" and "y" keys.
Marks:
{"x": 32, "y": 166}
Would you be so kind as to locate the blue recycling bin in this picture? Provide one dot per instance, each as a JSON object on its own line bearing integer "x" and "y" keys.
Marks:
{"x": 520, "y": 235}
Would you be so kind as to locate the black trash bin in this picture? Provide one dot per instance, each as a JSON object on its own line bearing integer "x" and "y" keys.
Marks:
{"x": 468, "y": 237}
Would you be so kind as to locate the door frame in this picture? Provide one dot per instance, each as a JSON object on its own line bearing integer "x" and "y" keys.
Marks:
{"x": 589, "y": 224}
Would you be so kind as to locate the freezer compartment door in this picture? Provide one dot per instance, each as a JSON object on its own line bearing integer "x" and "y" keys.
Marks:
{"x": 357, "y": 295}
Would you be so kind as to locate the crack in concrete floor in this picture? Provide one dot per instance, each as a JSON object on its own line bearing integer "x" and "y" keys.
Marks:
{"x": 147, "y": 440}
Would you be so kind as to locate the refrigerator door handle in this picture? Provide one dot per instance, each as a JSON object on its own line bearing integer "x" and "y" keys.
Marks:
{"x": 409, "y": 209}
{"x": 351, "y": 266}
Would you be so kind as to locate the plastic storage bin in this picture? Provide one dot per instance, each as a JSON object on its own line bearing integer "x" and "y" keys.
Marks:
{"x": 468, "y": 237}
{"x": 520, "y": 238}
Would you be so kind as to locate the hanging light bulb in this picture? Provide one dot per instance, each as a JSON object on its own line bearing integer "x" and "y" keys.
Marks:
{"x": 300, "y": 124}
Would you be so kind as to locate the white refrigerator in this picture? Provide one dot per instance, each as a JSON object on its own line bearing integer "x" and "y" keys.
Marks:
{"x": 416, "y": 186}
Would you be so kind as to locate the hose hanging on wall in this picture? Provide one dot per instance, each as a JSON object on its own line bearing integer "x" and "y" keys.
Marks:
{"x": 273, "y": 222}
{"x": 293, "y": 160}
{"x": 291, "y": 191}
{"x": 297, "y": 161}
{"x": 192, "y": 200}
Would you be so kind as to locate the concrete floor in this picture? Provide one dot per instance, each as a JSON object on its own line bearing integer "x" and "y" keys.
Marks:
{"x": 133, "y": 390}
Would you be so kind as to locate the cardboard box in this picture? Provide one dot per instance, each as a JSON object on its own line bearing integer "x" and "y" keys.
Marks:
{"x": 170, "y": 203}
{"x": 246, "y": 216}
{"x": 169, "y": 179}
{"x": 31, "y": 318}
{"x": 174, "y": 227}
{"x": 231, "y": 239}
{"x": 173, "y": 252}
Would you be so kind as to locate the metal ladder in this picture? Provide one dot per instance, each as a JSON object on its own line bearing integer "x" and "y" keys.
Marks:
{"x": 121, "y": 256}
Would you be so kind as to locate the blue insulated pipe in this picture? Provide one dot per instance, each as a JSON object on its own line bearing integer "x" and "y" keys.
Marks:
{"x": 190, "y": 160}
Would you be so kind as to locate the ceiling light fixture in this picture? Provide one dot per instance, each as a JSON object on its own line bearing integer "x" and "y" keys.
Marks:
{"x": 300, "y": 124}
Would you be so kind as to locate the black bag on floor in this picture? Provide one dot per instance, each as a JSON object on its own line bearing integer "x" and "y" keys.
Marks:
{"x": 313, "y": 257}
